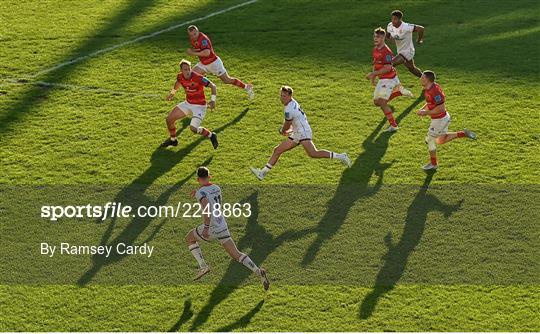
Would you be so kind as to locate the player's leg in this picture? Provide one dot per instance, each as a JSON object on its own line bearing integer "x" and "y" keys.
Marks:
{"x": 453, "y": 135}
{"x": 382, "y": 93}
{"x": 383, "y": 104}
{"x": 238, "y": 83}
{"x": 398, "y": 60}
{"x": 218, "y": 69}
{"x": 232, "y": 250}
{"x": 176, "y": 114}
{"x": 194, "y": 248}
{"x": 284, "y": 146}
{"x": 313, "y": 152}
{"x": 198, "y": 113}
{"x": 438, "y": 128}
{"x": 199, "y": 68}
{"x": 431, "y": 142}
{"x": 411, "y": 66}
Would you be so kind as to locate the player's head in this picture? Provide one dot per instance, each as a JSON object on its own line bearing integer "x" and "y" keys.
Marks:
{"x": 397, "y": 15}
{"x": 428, "y": 77}
{"x": 286, "y": 94}
{"x": 193, "y": 32}
{"x": 378, "y": 36}
{"x": 185, "y": 67}
{"x": 203, "y": 175}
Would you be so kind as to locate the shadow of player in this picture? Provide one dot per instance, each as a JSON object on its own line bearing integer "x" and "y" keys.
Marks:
{"x": 355, "y": 184}
{"x": 398, "y": 254}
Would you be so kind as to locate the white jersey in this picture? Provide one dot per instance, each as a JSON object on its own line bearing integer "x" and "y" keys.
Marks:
{"x": 300, "y": 125}
{"x": 212, "y": 193}
{"x": 402, "y": 35}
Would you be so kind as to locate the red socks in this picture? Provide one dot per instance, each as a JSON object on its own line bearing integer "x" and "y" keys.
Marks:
{"x": 239, "y": 83}
{"x": 172, "y": 132}
{"x": 391, "y": 119}
{"x": 434, "y": 161}
{"x": 394, "y": 95}
{"x": 460, "y": 134}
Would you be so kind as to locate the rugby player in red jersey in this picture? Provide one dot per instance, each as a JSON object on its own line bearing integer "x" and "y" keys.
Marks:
{"x": 389, "y": 85}
{"x": 194, "y": 105}
{"x": 210, "y": 62}
{"x": 440, "y": 118}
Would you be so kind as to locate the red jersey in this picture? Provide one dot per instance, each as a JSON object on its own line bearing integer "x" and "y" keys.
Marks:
{"x": 381, "y": 57}
{"x": 194, "y": 87}
{"x": 203, "y": 43}
{"x": 435, "y": 96}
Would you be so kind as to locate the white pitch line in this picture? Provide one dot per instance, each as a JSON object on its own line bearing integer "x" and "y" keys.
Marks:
{"x": 77, "y": 87}
{"x": 138, "y": 39}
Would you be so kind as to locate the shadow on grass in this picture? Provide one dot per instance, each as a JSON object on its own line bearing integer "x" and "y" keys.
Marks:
{"x": 243, "y": 321}
{"x": 162, "y": 161}
{"x": 355, "y": 184}
{"x": 398, "y": 254}
{"x": 187, "y": 313}
{"x": 262, "y": 244}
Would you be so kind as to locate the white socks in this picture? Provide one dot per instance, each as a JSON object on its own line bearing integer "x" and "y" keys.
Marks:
{"x": 266, "y": 169}
{"x": 246, "y": 261}
{"x": 197, "y": 254}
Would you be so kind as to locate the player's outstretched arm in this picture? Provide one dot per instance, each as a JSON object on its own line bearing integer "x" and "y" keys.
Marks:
{"x": 420, "y": 31}
{"x": 173, "y": 90}
{"x": 213, "y": 88}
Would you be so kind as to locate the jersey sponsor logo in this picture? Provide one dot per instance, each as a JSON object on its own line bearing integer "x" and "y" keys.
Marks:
{"x": 204, "y": 42}
{"x": 438, "y": 98}
{"x": 388, "y": 58}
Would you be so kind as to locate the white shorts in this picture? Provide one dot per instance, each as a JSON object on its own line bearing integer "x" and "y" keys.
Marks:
{"x": 439, "y": 126}
{"x": 196, "y": 111}
{"x": 407, "y": 54}
{"x": 385, "y": 87}
{"x": 220, "y": 234}
{"x": 300, "y": 136}
{"x": 216, "y": 67}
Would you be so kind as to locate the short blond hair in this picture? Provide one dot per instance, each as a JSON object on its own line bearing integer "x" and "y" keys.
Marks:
{"x": 184, "y": 62}
{"x": 287, "y": 89}
{"x": 192, "y": 27}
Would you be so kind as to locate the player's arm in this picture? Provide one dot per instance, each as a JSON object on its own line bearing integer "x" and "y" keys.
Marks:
{"x": 198, "y": 53}
{"x": 388, "y": 37}
{"x": 173, "y": 90}
{"x": 385, "y": 69}
{"x": 439, "y": 109}
{"x": 420, "y": 31}
{"x": 206, "y": 216}
{"x": 213, "y": 88}
{"x": 286, "y": 127}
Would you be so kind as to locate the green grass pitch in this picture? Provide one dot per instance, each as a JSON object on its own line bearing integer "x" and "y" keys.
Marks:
{"x": 381, "y": 246}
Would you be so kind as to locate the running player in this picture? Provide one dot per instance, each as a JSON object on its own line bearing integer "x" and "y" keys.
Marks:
{"x": 401, "y": 33}
{"x": 440, "y": 118}
{"x": 209, "y": 61}
{"x": 214, "y": 227}
{"x": 194, "y": 105}
{"x": 389, "y": 85}
{"x": 297, "y": 128}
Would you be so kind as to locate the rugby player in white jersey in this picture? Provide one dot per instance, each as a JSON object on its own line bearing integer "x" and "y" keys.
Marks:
{"x": 298, "y": 131}
{"x": 402, "y": 33}
{"x": 214, "y": 227}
